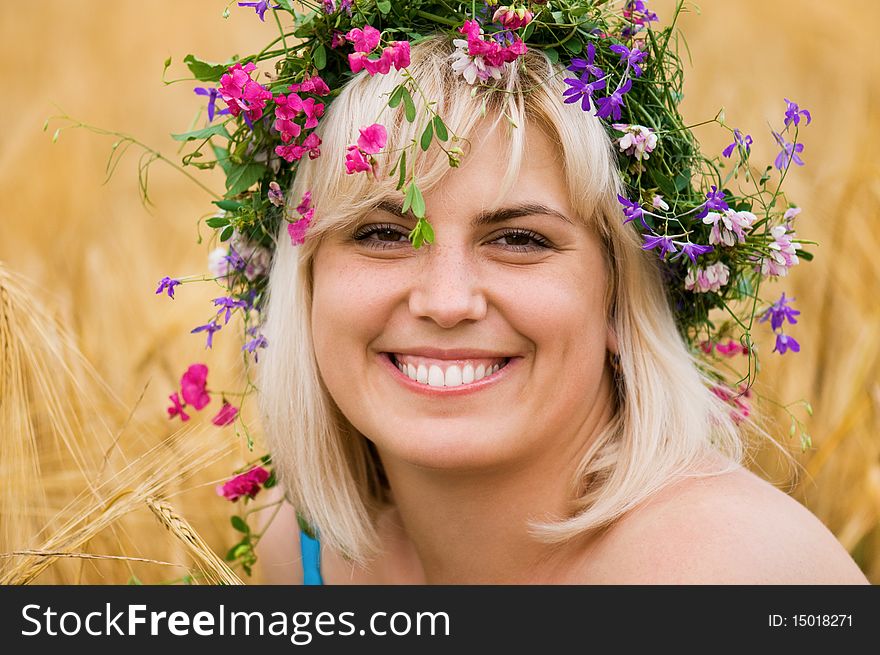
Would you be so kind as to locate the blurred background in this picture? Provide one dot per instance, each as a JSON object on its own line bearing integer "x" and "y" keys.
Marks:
{"x": 85, "y": 255}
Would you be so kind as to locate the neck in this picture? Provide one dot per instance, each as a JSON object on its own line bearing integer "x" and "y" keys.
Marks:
{"x": 472, "y": 527}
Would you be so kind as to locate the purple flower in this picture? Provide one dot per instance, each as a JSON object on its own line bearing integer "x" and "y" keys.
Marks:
{"x": 260, "y": 7}
{"x": 228, "y": 304}
{"x": 254, "y": 344}
{"x": 714, "y": 202}
{"x": 738, "y": 140}
{"x": 235, "y": 260}
{"x": 789, "y": 153}
{"x": 665, "y": 244}
{"x": 632, "y": 57}
{"x": 167, "y": 283}
{"x": 586, "y": 66}
{"x": 632, "y": 211}
{"x": 212, "y": 94}
{"x": 785, "y": 343}
{"x": 611, "y": 105}
{"x": 793, "y": 113}
{"x": 210, "y": 328}
{"x": 779, "y": 312}
{"x": 691, "y": 250}
{"x": 581, "y": 90}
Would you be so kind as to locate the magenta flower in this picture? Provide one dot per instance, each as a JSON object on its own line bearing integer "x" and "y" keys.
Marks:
{"x": 793, "y": 113}
{"x": 243, "y": 94}
{"x": 192, "y": 386}
{"x": 372, "y": 138}
{"x": 295, "y": 151}
{"x": 731, "y": 348}
{"x": 305, "y": 203}
{"x": 513, "y": 18}
{"x": 169, "y": 284}
{"x": 176, "y": 408}
{"x": 210, "y": 328}
{"x": 286, "y": 110}
{"x": 297, "y": 232}
{"x": 364, "y": 40}
{"x": 226, "y": 415}
{"x": 312, "y": 84}
{"x": 247, "y": 484}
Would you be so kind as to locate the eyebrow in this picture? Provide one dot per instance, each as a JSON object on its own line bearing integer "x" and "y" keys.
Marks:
{"x": 488, "y": 217}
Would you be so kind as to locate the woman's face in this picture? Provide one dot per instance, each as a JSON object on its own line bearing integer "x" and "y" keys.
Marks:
{"x": 520, "y": 285}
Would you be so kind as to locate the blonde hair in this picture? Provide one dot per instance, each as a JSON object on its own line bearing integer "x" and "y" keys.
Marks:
{"x": 666, "y": 420}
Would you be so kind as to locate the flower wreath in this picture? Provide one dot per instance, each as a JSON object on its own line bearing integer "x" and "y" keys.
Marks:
{"x": 720, "y": 225}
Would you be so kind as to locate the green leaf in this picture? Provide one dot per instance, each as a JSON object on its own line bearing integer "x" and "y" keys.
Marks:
{"x": 573, "y": 45}
{"x": 528, "y": 31}
{"x": 226, "y": 234}
{"x": 286, "y": 4}
{"x": 552, "y": 55}
{"x": 384, "y": 6}
{"x": 222, "y": 156}
{"x": 217, "y": 221}
{"x": 440, "y": 128}
{"x": 402, "y": 178}
{"x": 228, "y": 205}
{"x": 319, "y": 57}
{"x": 418, "y": 201}
{"x": 427, "y": 136}
{"x": 204, "y": 71}
{"x": 218, "y": 129}
{"x": 803, "y": 254}
{"x": 409, "y": 107}
{"x": 242, "y": 177}
{"x": 396, "y": 97}
{"x": 271, "y": 481}
{"x": 427, "y": 231}
{"x": 407, "y": 198}
{"x": 239, "y": 524}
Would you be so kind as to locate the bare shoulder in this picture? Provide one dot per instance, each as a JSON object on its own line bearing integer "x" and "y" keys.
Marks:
{"x": 730, "y": 528}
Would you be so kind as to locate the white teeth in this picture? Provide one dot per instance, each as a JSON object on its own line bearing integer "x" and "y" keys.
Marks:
{"x": 480, "y": 373}
{"x": 467, "y": 374}
{"x": 453, "y": 376}
{"x": 435, "y": 376}
{"x": 411, "y": 371}
{"x": 422, "y": 374}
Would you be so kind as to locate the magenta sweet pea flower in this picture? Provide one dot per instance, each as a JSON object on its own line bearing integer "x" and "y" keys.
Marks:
{"x": 364, "y": 40}
{"x": 192, "y": 386}
{"x": 297, "y": 232}
{"x": 243, "y": 94}
{"x": 247, "y": 484}
{"x": 176, "y": 408}
{"x": 226, "y": 415}
{"x": 372, "y": 138}
{"x": 312, "y": 84}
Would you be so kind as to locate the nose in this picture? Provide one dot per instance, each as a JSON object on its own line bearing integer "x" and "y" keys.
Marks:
{"x": 448, "y": 287}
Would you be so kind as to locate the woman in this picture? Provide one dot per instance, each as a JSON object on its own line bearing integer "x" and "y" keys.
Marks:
{"x": 513, "y": 402}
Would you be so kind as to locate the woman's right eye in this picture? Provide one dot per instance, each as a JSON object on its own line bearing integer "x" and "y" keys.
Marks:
{"x": 380, "y": 236}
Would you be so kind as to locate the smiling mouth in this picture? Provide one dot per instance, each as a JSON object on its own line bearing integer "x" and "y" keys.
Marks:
{"x": 440, "y": 373}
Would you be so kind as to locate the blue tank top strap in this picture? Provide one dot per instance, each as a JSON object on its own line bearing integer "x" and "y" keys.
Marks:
{"x": 311, "y": 559}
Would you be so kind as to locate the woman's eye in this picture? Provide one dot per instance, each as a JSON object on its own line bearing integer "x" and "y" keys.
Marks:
{"x": 520, "y": 240}
{"x": 380, "y": 236}
{"x": 386, "y": 236}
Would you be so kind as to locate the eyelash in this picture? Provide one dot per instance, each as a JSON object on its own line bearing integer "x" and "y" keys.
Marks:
{"x": 364, "y": 232}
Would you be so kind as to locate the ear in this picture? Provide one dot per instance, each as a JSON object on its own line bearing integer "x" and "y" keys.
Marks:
{"x": 611, "y": 341}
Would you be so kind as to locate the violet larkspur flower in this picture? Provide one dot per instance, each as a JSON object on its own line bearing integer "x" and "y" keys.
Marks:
{"x": 261, "y": 7}
{"x": 637, "y": 11}
{"x": 632, "y": 211}
{"x": 632, "y": 57}
{"x": 212, "y": 94}
{"x": 210, "y": 328}
{"x": 785, "y": 343}
{"x": 610, "y": 106}
{"x": 793, "y": 113}
{"x": 779, "y": 312}
{"x": 789, "y": 153}
{"x": 665, "y": 244}
{"x": 253, "y": 345}
{"x": 744, "y": 142}
{"x": 691, "y": 250}
{"x": 582, "y": 90}
{"x": 714, "y": 202}
{"x": 167, "y": 283}
{"x": 228, "y": 304}
{"x": 586, "y": 67}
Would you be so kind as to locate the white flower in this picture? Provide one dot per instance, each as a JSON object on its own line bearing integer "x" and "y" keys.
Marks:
{"x": 729, "y": 228}
{"x": 218, "y": 265}
{"x": 637, "y": 141}
{"x": 658, "y": 203}
{"x": 472, "y": 67}
{"x": 783, "y": 253}
{"x": 703, "y": 280}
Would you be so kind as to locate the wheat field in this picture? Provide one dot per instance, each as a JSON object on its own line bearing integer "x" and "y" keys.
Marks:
{"x": 98, "y": 486}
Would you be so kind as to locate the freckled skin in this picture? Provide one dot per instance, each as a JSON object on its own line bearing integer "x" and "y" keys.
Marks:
{"x": 471, "y": 288}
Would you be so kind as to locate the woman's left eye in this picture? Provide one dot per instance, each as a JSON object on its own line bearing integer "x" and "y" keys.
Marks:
{"x": 385, "y": 236}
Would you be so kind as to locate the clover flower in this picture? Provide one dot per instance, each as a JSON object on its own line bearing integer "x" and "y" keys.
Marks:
{"x": 247, "y": 484}
{"x": 703, "y": 280}
{"x": 728, "y": 228}
{"x": 744, "y": 142}
{"x": 637, "y": 141}
{"x": 782, "y": 253}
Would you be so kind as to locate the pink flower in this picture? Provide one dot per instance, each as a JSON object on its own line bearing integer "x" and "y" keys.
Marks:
{"x": 364, "y": 40}
{"x": 397, "y": 54}
{"x": 731, "y": 348}
{"x": 176, "y": 408}
{"x": 736, "y": 399}
{"x": 372, "y": 138}
{"x": 226, "y": 415}
{"x": 286, "y": 110}
{"x": 246, "y": 484}
{"x": 476, "y": 58}
{"x": 313, "y": 111}
{"x": 241, "y": 93}
{"x": 710, "y": 278}
{"x": 192, "y": 386}
{"x": 295, "y": 151}
{"x": 400, "y": 54}
{"x": 783, "y": 253}
{"x": 513, "y": 19}
{"x": 312, "y": 85}
{"x": 337, "y": 40}
{"x": 355, "y": 161}
{"x": 297, "y": 230}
